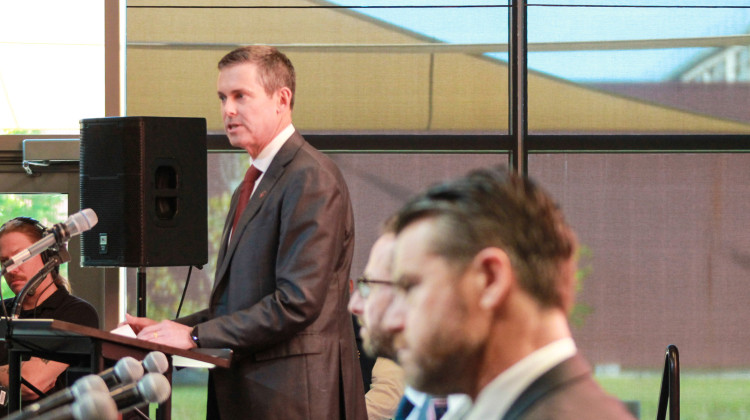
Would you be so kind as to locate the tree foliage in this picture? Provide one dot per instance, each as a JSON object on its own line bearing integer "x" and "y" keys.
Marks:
{"x": 581, "y": 310}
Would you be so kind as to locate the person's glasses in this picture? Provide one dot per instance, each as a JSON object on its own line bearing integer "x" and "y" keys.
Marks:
{"x": 364, "y": 285}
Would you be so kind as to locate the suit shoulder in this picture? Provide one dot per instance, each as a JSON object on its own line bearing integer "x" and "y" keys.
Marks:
{"x": 310, "y": 160}
{"x": 582, "y": 399}
{"x": 308, "y": 151}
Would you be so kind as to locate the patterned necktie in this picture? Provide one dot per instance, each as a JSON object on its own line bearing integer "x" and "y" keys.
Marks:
{"x": 246, "y": 189}
{"x": 433, "y": 408}
{"x": 441, "y": 407}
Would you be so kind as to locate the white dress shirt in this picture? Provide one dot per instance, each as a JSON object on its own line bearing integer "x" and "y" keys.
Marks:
{"x": 264, "y": 159}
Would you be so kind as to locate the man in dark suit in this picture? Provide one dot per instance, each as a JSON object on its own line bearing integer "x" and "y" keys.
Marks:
{"x": 486, "y": 269}
{"x": 281, "y": 288}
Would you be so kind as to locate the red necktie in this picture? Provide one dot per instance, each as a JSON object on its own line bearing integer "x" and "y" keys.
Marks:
{"x": 246, "y": 189}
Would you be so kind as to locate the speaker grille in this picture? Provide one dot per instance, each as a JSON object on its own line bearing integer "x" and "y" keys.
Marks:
{"x": 107, "y": 202}
{"x": 145, "y": 177}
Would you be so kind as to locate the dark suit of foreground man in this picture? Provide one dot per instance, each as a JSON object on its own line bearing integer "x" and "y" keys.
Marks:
{"x": 486, "y": 266}
{"x": 281, "y": 287}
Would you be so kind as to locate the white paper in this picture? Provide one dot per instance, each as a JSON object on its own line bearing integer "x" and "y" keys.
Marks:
{"x": 124, "y": 330}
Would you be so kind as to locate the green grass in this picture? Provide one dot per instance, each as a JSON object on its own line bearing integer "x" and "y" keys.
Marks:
{"x": 188, "y": 403}
{"x": 703, "y": 396}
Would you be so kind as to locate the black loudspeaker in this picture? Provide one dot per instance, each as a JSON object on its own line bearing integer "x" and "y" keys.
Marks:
{"x": 145, "y": 177}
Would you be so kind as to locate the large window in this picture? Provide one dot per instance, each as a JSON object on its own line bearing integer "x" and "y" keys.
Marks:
{"x": 358, "y": 69}
{"x": 613, "y": 67}
{"x": 664, "y": 233}
{"x": 52, "y": 65}
{"x": 666, "y": 262}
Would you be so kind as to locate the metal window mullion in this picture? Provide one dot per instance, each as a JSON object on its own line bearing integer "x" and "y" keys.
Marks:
{"x": 518, "y": 86}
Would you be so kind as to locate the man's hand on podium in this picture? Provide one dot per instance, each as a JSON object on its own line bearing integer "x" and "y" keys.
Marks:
{"x": 137, "y": 323}
{"x": 169, "y": 333}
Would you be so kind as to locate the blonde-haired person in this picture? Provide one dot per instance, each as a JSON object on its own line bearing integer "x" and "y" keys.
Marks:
{"x": 51, "y": 300}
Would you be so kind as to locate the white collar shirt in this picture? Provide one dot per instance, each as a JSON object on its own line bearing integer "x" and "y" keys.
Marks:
{"x": 497, "y": 397}
{"x": 264, "y": 159}
{"x": 417, "y": 398}
{"x": 458, "y": 406}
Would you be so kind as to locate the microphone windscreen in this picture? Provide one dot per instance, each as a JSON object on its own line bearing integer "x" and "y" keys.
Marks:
{"x": 128, "y": 370}
{"x": 81, "y": 222}
{"x": 96, "y": 406}
{"x": 154, "y": 388}
{"x": 156, "y": 362}
{"x": 89, "y": 383}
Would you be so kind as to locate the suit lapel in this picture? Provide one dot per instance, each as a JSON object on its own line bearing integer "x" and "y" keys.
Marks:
{"x": 570, "y": 370}
{"x": 227, "y": 227}
{"x": 267, "y": 183}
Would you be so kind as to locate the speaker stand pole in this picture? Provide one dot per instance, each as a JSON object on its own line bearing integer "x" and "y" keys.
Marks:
{"x": 140, "y": 291}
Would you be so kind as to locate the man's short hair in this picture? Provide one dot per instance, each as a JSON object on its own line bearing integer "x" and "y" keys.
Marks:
{"x": 495, "y": 208}
{"x": 275, "y": 70}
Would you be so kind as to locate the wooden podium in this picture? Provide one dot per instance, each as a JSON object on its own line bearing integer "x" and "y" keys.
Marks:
{"x": 86, "y": 349}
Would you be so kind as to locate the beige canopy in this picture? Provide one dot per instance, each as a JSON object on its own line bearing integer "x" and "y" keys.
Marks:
{"x": 356, "y": 73}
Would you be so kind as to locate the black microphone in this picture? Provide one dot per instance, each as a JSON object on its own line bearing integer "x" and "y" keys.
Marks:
{"x": 61, "y": 232}
{"x": 89, "y": 383}
{"x": 95, "y": 406}
{"x": 126, "y": 370}
{"x": 155, "y": 362}
{"x": 152, "y": 388}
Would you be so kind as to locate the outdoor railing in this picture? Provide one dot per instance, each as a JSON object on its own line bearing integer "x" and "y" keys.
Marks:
{"x": 670, "y": 386}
